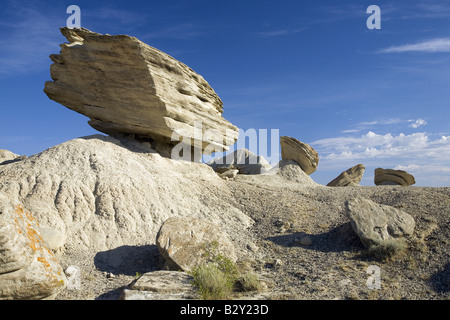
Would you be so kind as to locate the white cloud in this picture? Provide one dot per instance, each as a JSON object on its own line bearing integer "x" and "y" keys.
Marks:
{"x": 372, "y": 145}
{"x": 421, "y": 154}
{"x": 281, "y": 32}
{"x": 417, "y": 123}
{"x": 434, "y": 45}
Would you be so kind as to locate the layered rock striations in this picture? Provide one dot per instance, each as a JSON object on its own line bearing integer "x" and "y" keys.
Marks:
{"x": 128, "y": 87}
{"x": 300, "y": 152}
{"x": 393, "y": 177}
{"x": 349, "y": 178}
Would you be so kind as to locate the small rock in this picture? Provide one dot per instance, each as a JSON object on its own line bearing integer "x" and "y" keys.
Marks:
{"x": 229, "y": 174}
{"x": 252, "y": 247}
{"x": 306, "y": 241}
{"x": 277, "y": 263}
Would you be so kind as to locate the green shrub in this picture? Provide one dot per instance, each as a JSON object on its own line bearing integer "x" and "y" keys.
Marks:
{"x": 212, "y": 282}
{"x": 249, "y": 282}
{"x": 388, "y": 250}
{"x": 217, "y": 278}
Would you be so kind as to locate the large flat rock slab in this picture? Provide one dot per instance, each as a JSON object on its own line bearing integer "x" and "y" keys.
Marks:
{"x": 128, "y": 87}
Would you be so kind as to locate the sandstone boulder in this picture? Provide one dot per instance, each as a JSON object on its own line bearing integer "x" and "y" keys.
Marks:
{"x": 300, "y": 152}
{"x": 127, "y": 87}
{"x": 376, "y": 223}
{"x": 243, "y": 160}
{"x": 351, "y": 177}
{"x": 28, "y": 268}
{"x": 187, "y": 242}
{"x": 393, "y": 177}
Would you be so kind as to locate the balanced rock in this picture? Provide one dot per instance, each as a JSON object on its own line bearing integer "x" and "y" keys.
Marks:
{"x": 243, "y": 160}
{"x": 393, "y": 177}
{"x": 28, "y": 268}
{"x": 127, "y": 87}
{"x": 376, "y": 223}
{"x": 300, "y": 152}
{"x": 351, "y": 177}
{"x": 188, "y": 242}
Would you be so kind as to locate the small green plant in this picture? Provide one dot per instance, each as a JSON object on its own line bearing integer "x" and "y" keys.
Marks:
{"x": 212, "y": 282}
{"x": 388, "y": 250}
{"x": 249, "y": 282}
{"x": 217, "y": 277}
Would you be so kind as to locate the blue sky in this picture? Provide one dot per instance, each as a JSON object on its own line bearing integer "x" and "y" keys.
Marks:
{"x": 311, "y": 69}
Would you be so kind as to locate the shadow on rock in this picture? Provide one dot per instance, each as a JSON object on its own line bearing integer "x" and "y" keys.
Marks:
{"x": 128, "y": 260}
{"x": 340, "y": 238}
{"x": 440, "y": 281}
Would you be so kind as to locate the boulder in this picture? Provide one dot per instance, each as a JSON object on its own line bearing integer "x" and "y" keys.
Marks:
{"x": 376, "y": 223}
{"x": 161, "y": 285}
{"x": 300, "y": 152}
{"x": 243, "y": 160}
{"x": 128, "y": 87}
{"x": 393, "y": 177}
{"x": 188, "y": 242}
{"x": 28, "y": 268}
{"x": 351, "y": 177}
{"x": 229, "y": 174}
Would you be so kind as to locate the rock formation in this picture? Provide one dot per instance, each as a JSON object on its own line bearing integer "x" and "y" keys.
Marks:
{"x": 101, "y": 192}
{"x": 300, "y": 152}
{"x": 28, "y": 268}
{"x": 351, "y": 177}
{"x": 243, "y": 160}
{"x": 393, "y": 177}
{"x": 376, "y": 223}
{"x": 186, "y": 243}
{"x": 127, "y": 87}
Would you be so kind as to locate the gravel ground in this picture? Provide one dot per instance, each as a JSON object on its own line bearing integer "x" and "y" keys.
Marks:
{"x": 305, "y": 247}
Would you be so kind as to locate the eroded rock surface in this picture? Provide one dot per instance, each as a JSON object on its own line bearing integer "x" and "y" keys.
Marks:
{"x": 28, "y": 268}
{"x": 300, "y": 152}
{"x": 350, "y": 177}
{"x": 376, "y": 223}
{"x": 128, "y": 87}
{"x": 393, "y": 177}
